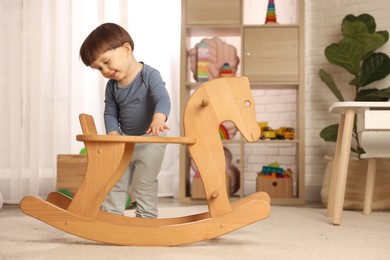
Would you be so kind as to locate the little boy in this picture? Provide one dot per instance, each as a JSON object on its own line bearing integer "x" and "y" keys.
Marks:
{"x": 136, "y": 103}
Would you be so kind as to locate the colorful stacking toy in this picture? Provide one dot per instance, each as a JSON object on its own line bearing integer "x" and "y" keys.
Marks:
{"x": 226, "y": 70}
{"x": 203, "y": 62}
{"x": 271, "y": 14}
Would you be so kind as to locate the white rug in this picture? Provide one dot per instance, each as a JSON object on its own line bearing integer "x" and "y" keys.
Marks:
{"x": 289, "y": 233}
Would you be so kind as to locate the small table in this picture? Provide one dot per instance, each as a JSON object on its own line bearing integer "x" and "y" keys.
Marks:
{"x": 373, "y": 113}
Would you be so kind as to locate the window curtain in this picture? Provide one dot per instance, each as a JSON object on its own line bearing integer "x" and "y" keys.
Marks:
{"x": 45, "y": 86}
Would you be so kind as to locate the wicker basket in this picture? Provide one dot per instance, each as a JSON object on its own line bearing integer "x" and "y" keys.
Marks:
{"x": 356, "y": 183}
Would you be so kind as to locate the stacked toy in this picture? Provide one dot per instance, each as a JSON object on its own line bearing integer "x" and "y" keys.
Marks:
{"x": 226, "y": 70}
{"x": 271, "y": 14}
{"x": 223, "y": 132}
{"x": 203, "y": 62}
{"x": 274, "y": 171}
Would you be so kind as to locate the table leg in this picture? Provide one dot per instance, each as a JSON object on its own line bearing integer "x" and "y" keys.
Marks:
{"x": 370, "y": 184}
{"x": 342, "y": 169}
{"x": 336, "y": 163}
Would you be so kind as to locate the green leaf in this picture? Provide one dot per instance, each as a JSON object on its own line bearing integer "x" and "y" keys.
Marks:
{"x": 385, "y": 35}
{"x": 367, "y": 19}
{"x": 371, "y": 42}
{"x": 347, "y": 54}
{"x": 362, "y": 29}
{"x": 373, "y": 94}
{"x": 329, "y": 133}
{"x": 359, "y": 150}
{"x": 374, "y": 68}
{"x": 328, "y": 79}
{"x": 354, "y": 29}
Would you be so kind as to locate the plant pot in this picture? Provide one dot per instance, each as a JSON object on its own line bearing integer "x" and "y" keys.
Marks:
{"x": 356, "y": 184}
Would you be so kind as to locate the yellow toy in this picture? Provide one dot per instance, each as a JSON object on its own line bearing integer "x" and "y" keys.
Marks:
{"x": 108, "y": 156}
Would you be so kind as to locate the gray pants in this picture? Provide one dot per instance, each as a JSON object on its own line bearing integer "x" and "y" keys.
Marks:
{"x": 140, "y": 179}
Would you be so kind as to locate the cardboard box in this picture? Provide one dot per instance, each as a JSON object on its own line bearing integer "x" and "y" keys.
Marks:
{"x": 275, "y": 187}
{"x": 197, "y": 189}
{"x": 70, "y": 171}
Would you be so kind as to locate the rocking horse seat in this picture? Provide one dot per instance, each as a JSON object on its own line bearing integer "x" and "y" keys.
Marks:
{"x": 109, "y": 155}
{"x": 135, "y": 139}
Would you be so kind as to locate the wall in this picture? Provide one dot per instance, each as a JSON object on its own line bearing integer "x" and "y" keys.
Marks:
{"x": 323, "y": 19}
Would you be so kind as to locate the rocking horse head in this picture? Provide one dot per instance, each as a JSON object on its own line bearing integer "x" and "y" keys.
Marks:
{"x": 215, "y": 101}
{"x": 222, "y": 99}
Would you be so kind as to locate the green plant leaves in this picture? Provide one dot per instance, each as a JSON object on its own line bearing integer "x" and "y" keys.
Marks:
{"x": 375, "y": 67}
{"x": 360, "y": 40}
{"x": 350, "y": 52}
{"x": 354, "y": 29}
{"x": 347, "y": 54}
{"x": 355, "y": 52}
{"x": 328, "y": 79}
{"x": 367, "y": 19}
{"x": 373, "y": 94}
{"x": 329, "y": 133}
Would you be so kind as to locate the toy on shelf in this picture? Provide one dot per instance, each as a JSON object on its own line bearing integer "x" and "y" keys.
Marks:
{"x": 271, "y": 14}
{"x": 273, "y": 170}
{"x": 266, "y": 131}
{"x": 281, "y": 133}
{"x": 226, "y": 70}
{"x": 227, "y": 130}
{"x": 275, "y": 181}
{"x": 223, "y": 132}
{"x": 219, "y": 53}
{"x": 203, "y": 62}
{"x": 285, "y": 133}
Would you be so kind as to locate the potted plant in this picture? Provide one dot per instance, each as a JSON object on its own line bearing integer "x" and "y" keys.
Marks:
{"x": 356, "y": 52}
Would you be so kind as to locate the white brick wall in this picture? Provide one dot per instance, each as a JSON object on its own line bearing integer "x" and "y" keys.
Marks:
{"x": 323, "y": 19}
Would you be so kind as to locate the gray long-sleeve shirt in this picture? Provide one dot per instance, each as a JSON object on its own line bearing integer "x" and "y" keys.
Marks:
{"x": 132, "y": 108}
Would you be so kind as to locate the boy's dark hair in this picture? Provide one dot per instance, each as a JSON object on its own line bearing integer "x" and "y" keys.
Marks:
{"x": 107, "y": 36}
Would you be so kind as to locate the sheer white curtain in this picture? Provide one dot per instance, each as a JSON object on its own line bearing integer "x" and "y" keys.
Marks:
{"x": 44, "y": 85}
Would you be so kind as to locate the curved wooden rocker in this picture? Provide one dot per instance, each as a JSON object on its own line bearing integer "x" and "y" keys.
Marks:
{"x": 108, "y": 156}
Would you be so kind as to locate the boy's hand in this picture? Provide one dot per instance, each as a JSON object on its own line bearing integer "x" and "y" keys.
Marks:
{"x": 158, "y": 124}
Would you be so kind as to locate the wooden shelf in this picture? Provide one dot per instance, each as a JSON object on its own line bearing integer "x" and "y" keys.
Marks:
{"x": 271, "y": 56}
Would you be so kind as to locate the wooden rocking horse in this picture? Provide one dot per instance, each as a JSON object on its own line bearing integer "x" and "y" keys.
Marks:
{"x": 108, "y": 156}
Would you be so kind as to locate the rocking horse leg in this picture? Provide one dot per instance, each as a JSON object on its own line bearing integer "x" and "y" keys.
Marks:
{"x": 106, "y": 164}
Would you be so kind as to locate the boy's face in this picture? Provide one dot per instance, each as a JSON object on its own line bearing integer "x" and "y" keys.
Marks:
{"x": 114, "y": 64}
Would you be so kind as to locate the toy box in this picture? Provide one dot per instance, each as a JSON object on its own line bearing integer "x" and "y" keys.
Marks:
{"x": 197, "y": 189}
{"x": 70, "y": 171}
{"x": 275, "y": 187}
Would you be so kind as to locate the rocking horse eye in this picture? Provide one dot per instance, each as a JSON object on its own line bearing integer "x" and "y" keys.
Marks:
{"x": 247, "y": 103}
